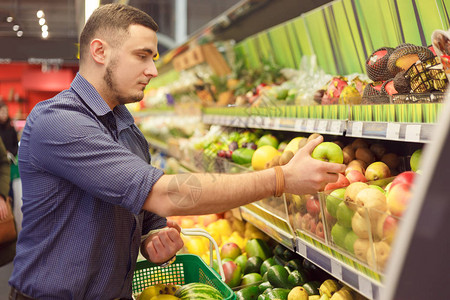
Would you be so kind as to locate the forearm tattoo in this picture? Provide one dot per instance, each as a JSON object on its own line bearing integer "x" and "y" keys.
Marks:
{"x": 185, "y": 190}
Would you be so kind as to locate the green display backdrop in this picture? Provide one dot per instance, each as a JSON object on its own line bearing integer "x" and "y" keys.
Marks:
{"x": 343, "y": 33}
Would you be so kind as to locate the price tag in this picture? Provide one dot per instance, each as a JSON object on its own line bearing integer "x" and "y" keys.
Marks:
{"x": 365, "y": 286}
{"x": 301, "y": 248}
{"x": 298, "y": 124}
{"x": 357, "y": 129}
{"x": 393, "y": 131}
{"x": 276, "y": 124}
{"x": 322, "y": 126}
{"x": 413, "y": 133}
{"x": 335, "y": 127}
{"x": 310, "y": 125}
{"x": 336, "y": 269}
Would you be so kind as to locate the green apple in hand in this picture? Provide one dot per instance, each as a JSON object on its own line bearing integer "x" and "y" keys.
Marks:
{"x": 328, "y": 151}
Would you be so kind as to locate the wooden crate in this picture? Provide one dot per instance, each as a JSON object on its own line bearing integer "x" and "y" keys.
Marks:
{"x": 205, "y": 53}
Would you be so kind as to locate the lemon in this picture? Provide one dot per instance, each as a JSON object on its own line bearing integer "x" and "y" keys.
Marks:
{"x": 263, "y": 155}
{"x": 293, "y": 145}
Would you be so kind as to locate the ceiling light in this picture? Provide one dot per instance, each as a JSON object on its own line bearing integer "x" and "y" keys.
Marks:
{"x": 41, "y": 21}
{"x": 9, "y": 19}
{"x": 44, "y": 34}
{"x": 40, "y": 14}
{"x": 16, "y": 27}
{"x": 44, "y": 28}
{"x": 19, "y": 33}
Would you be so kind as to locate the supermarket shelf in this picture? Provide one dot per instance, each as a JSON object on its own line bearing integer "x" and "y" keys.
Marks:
{"x": 258, "y": 217}
{"x": 158, "y": 145}
{"x": 404, "y": 132}
{"x": 395, "y": 131}
{"x": 366, "y": 286}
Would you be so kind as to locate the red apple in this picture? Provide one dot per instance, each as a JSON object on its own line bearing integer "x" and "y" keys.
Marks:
{"x": 319, "y": 230}
{"x": 398, "y": 198}
{"x": 386, "y": 228}
{"x": 340, "y": 183}
{"x": 404, "y": 177}
{"x": 311, "y": 227}
{"x": 305, "y": 221}
{"x": 355, "y": 176}
{"x": 313, "y": 206}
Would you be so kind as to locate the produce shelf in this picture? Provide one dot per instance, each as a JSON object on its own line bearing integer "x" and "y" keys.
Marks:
{"x": 367, "y": 286}
{"x": 269, "y": 223}
{"x": 395, "y": 131}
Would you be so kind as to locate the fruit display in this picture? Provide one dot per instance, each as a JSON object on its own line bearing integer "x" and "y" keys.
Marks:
{"x": 283, "y": 274}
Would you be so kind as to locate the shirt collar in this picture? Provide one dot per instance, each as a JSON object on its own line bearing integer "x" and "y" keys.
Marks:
{"x": 97, "y": 104}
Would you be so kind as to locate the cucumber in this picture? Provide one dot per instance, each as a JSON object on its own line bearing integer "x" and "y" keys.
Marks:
{"x": 312, "y": 287}
{"x": 253, "y": 265}
{"x": 264, "y": 286}
{"x": 197, "y": 290}
{"x": 294, "y": 264}
{"x": 297, "y": 278}
{"x": 266, "y": 265}
{"x": 242, "y": 156}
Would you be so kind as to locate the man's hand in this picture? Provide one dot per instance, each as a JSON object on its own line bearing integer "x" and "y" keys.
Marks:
{"x": 306, "y": 175}
{"x": 164, "y": 244}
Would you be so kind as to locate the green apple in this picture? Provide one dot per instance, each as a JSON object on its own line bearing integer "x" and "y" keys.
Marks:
{"x": 373, "y": 186}
{"x": 241, "y": 260}
{"x": 338, "y": 234}
{"x": 328, "y": 151}
{"x": 333, "y": 201}
{"x": 350, "y": 240}
{"x": 268, "y": 139}
{"x": 344, "y": 215}
{"x": 415, "y": 160}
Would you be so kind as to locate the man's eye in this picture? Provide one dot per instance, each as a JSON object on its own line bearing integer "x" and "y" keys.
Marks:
{"x": 156, "y": 57}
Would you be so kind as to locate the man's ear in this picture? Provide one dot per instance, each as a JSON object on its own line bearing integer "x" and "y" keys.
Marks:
{"x": 98, "y": 49}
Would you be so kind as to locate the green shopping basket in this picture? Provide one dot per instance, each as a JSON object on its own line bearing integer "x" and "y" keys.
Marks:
{"x": 187, "y": 268}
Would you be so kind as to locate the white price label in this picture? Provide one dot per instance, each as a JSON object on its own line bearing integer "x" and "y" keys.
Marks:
{"x": 336, "y": 269}
{"x": 276, "y": 124}
{"x": 335, "y": 127}
{"x": 357, "y": 129}
{"x": 310, "y": 125}
{"x": 301, "y": 248}
{"x": 365, "y": 286}
{"x": 393, "y": 131}
{"x": 322, "y": 126}
{"x": 298, "y": 125}
{"x": 413, "y": 133}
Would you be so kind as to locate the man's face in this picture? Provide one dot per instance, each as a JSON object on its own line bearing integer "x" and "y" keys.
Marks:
{"x": 131, "y": 66}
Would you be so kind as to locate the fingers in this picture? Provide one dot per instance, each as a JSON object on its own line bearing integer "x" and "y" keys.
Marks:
{"x": 173, "y": 224}
{"x": 309, "y": 147}
{"x": 164, "y": 245}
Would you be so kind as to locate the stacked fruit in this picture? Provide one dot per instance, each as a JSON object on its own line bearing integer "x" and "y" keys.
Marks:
{"x": 283, "y": 274}
{"x": 360, "y": 212}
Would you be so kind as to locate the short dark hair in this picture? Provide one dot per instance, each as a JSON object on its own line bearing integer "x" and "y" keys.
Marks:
{"x": 110, "y": 21}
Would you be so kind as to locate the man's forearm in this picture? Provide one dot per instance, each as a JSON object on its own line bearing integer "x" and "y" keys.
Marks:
{"x": 198, "y": 193}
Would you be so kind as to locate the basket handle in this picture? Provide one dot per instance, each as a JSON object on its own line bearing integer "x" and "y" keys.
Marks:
{"x": 212, "y": 242}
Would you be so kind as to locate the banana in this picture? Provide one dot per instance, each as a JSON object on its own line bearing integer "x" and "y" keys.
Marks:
{"x": 151, "y": 291}
{"x": 329, "y": 287}
{"x": 342, "y": 294}
{"x": 170, "y": 289}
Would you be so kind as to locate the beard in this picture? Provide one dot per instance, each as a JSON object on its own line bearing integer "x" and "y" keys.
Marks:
{"x": 114, "y": 93}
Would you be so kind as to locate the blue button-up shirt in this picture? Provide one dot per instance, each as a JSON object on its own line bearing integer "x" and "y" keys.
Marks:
{"x": 85, "y": 175}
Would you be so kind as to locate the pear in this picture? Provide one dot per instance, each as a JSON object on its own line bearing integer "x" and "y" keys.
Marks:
{"x": 352, "y": 191}
{"x": 361, "y": 247}
{"x": 374, "y": 201}
{"x": 382, "y": 252}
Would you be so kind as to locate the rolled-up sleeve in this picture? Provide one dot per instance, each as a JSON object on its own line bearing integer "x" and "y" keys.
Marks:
{"x": 81, "y": 152}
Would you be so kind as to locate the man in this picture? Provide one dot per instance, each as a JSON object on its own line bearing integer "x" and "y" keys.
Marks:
{"x": 89, "y": 193}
